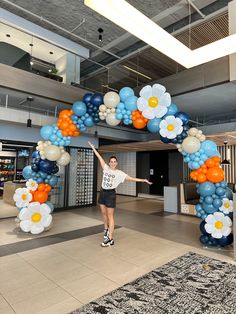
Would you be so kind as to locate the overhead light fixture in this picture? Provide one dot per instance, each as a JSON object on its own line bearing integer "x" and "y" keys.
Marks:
{"x": 100, "y": 30}
{"x": 8, "y": 35}
{"x": 135, "y": 71}
{"x": 226, "y": 161}
{"x": 31, "y": 50}
{"x": 133, "y": 21}
{"x": 29, "y": 121}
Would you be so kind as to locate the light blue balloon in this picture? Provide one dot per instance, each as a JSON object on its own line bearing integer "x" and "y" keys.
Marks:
{"x": 206, "y": 188}
{"x": 228, "y": 194}
{"x": 79, "y": 108}
{"x": 89, "y": 122}
{"x": 42, "y": 174}
{"x": 154, "y": 125}
{"x": 208, "y": 200}
{"x": 119, "y": 116}
{"x": 220, "y": 191}
{"x": 53, "y": 180}
{"x": 27, "y": 172}
{"x": 53, "y": 137}
{"x": 126, "y": 92}
{"x": 209, "y": 208}
{"x": 121, "y": 106}
{"x": 46, "y": 131}
{"x": 50, "y": 205}
{"x": 131, "y": 103}
{"x": 39, "y": 180}
{"x": 217, "y": 203}
{"x": 210, "y": 148}
{"x": 172, "y": 110}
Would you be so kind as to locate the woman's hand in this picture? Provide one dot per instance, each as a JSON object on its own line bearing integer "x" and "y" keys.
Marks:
{"x": 146, "y": 181}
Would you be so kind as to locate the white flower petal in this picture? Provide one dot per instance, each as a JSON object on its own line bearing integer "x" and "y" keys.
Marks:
{"x": 178, "y": 130}
{"x": 158, "y": 90}
{"x": 142, "y": 103}
{"x": 163, "y": 132}
{"x": 146, "y": 92}
{"x": 45, "y": 209}
{"x": 210, "y": 219}
{"x": 226, "y": 231}
{"x": 165, "y": 100}
{"x": 25, "y": 225}
{"x": 171, "y": 134}
{"x": 46, "y": 220}
{"x": 178, "y": 122}
{"x": 219, "y": 216}
{"x": 163, "y": 124}
{"x": 37, "y": 229}
{"x": 24, "y": 214}
{"x": 208, "y": 227}
{"x": 160, "y": 111}
{"x": 148, "y": 113}
{"x": 217, "y": 234}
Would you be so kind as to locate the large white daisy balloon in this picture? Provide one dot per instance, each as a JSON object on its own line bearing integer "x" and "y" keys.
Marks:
{"x": 218, "y": 225}
{"x": 22, "y": 197}
{"x": 35, "y": 218}
{"x": 32, "y": 185}
{"x": 153, "y": 101}
{"x": 227, "y": 206}
{"x": 170, "y": 127}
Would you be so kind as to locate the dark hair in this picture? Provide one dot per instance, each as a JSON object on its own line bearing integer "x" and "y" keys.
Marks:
{"x": 111, "y": 157}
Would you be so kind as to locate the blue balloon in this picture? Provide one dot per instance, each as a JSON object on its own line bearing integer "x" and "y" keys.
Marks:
{"x": 226, "y": 240}
{"x": 172, "y": 110}
{"x": 208, "y": 200}
{"x": 79, "y": 108}
{"x": 46, "y": 131}
{"x": 87, "y": 98}
{"x": 220, "y": 191}
{"x": 53, "y": 180}
{"x": 46, "y": 166}
{"x": 39, "y": 180}
{"x": 154, "y": 125}
{"x": 125, "y": 92}
{"x": 210, "y": 148}
{"x": 97, "y": 99}
{"x": 165, "y": 140}
{"x": 206, "y": 188}
{"x": 50, "y": 205}
{"x": 36, "y": 154}
{"x": 217, "y": 203}
{"x": 183, "y": 116}
{"x": 228, "y": 194}
{"x": 42, "y": 174}
{"x": 202, "y": 228}
{"x": 27, "y": 172}
{"x": 35, "y": 167}
{"x": 209, "y": 208}
{"x": 89, "y": 122}
{"x": 131, "y": 103}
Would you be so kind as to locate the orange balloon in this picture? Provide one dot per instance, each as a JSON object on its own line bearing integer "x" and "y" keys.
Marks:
{"x": 210, "y": 163}
{"x": 40, "y": 196}
{"x": 201, "y": 177}
{"x": 48, "y": 188}
{"x": 139, "y": 123}
{"x": 41, "y": 187}
{"x": 215, "y": 174}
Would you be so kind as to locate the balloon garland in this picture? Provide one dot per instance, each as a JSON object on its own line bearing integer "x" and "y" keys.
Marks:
{"x": 152, "y": 109}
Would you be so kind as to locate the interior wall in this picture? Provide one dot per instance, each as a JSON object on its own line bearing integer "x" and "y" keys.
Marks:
{"x": 143, "y": 171}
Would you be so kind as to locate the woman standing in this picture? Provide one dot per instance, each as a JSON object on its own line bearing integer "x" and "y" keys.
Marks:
{"x": 112, "y": 177}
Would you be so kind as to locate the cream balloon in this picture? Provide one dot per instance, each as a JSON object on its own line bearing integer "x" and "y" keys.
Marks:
{"x": 111, "y": 119}
{"x": 111, "y": 99}
{"x": 191, "y": 144}
{"x": 202, "y": 138}
{"x": 52, "y": 152}
{"x": 64, "y": 159}
{"x": 193, "y": 132}
{"x": 102, "y": 108}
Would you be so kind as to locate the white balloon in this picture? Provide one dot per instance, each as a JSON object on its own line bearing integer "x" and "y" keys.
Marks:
{"x": 193, "y": 132}
{"x": 108, "y": 110}
{"x": 191, "y": 144}
{"x": 64, "y": 159}
{"x": 178, "y": 145}
{"x": 111, "y": 99}
{"x": 102, "y": 108}
{"x": 202, "y": 138}
{"x": 111, "y": 119}
{"x": 113, "y": 110}
{"x": 52, "y": 152}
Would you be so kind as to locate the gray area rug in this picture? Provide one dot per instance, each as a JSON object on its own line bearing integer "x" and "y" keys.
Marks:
{"x": 190, "y": 284}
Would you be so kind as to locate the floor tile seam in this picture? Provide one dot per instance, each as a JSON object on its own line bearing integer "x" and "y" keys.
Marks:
{"x": 8, "y": 303}
{"x": 51, "y": 280}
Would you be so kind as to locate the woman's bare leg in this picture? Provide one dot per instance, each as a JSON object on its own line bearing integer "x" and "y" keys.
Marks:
{"x": 111, "y": 223}
{"x": 104, "y": 215}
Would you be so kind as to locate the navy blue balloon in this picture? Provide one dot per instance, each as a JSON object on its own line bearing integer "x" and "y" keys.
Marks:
{"x": 55, "y": 169}
{"x": 97, "y": 99}
{"x": 202, "y": 228}
{"x": 46, "y": 166}
{"x": 87, "y": 98}
{"x": 34, "y": 167}
{"x": 165, "y": 140}
{"x": 226, "y": 240}
{"x": 183, "y": 116}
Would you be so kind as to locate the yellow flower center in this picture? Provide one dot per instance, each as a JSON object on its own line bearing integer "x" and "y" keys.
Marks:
{"x": 226, "y": 205}
{"x": 32, "y": 184}
{"x": 153, "y": 102}
{"x": 219, "y": 224}
{"x": 36, "y": 217}
{"x": 24, "y": 197}
{"x": 170, "y": 127}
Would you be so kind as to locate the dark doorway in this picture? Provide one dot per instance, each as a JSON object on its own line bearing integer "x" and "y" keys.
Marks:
{"x": 159, "y": 172}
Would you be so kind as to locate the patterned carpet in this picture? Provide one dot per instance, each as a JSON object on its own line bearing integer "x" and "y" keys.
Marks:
{"x": 190, "y": 284}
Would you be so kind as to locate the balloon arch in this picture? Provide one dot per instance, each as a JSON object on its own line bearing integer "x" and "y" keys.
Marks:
{"x": 152, "y": 110}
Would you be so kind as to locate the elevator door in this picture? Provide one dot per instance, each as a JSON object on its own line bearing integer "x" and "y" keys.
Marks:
{"x": 158, "y": 172}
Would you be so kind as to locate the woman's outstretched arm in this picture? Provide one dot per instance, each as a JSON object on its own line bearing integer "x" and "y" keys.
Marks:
{"x": 101, "y": 160}
{"x": 128, "y": 178}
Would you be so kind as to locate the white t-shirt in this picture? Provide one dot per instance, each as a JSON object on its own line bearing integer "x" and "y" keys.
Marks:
{"x": 112, "y": 178}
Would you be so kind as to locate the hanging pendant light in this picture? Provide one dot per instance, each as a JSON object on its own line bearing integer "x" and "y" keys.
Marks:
{"x": 225, "y": 162}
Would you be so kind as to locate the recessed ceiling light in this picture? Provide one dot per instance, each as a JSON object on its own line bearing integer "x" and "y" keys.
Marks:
{"x": 51, "y": 53}
{"x": 8, "y": 35}
{"x": 31, "y": 45}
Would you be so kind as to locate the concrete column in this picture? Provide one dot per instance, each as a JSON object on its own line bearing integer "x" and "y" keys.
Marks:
{"x": 68, "y": 67}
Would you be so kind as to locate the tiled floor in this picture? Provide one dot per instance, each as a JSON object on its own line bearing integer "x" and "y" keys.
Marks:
{"x": 74, "y": 269}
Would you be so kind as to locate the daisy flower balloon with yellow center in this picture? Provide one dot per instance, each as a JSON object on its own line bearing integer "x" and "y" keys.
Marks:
{"x": 153, "y": 101}
{"x": 170, "y": 127}
{"x": 227, "y": 206}
{"x": 22, "y": 197}
{"x": 32, "y": 185}
{"x": 218, "y": 225}
{"x": 35, "y": 218}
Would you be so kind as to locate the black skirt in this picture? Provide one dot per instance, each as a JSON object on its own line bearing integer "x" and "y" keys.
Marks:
{"x": 107, "y": 198}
